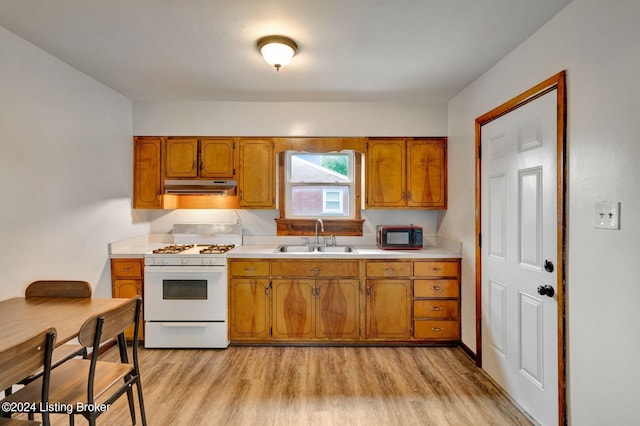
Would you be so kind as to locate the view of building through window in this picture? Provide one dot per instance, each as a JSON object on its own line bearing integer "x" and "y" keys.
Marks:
{"x": 320, "y": 184}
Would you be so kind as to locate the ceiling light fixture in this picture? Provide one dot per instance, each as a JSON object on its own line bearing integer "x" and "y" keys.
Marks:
{"x": 277, "y": 50}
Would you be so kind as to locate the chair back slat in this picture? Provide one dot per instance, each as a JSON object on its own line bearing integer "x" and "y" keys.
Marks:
{"x": 21, "y": 360}
{"x": 115, "y": 322}
{"x": 58, "y": 288}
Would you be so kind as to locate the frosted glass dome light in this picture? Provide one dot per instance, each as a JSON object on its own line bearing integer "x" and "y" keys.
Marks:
{"x": 277, "y": 50}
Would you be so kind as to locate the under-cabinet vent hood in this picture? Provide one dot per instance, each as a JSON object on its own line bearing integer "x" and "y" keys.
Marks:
{"x": 199, "y": 187}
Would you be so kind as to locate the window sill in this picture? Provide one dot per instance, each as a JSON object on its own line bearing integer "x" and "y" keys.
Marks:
{"x": 307, "y": 227}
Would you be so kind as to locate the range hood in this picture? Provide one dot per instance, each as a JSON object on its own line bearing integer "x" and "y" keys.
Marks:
{"x": 199, "y": 187}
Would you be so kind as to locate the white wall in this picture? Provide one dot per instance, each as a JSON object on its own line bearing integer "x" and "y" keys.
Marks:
{"x": 65, "y": 168}
{"x": 598, "y": 43}
{"x": 290, "y": 119}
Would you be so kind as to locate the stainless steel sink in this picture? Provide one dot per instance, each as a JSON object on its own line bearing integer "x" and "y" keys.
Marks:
{"x": 336, "y": 249}
{"x": 293, "y": 249}
{"x": 314, "y": 249}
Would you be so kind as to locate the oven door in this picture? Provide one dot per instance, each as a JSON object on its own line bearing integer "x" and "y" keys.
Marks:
{"x": 185, "y": 293}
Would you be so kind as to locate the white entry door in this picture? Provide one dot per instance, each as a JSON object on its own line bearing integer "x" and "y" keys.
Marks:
{"x": 520, "y": 255}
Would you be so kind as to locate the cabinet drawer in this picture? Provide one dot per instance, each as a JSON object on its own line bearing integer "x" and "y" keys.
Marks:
{"x": 249, "y": 268}
{"x": 304, "y": 268}
{"x": 435, "y": 269}
{"x": 126, "y": 268}
{"x": 388, "y": 269}
{"x": 436, "y": 330}
{"x": 436, "y": 288}
{"x": 435, "y": 309}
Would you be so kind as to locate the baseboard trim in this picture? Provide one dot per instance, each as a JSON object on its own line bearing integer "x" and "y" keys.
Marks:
{"x": 467, "y": 350}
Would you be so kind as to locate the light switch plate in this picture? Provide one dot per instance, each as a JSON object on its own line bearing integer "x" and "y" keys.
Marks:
{"x": 607, "y": 215}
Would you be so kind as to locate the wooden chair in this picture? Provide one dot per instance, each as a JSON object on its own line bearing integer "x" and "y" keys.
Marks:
{"x": 21, "y": 360}
{"x": 59, "y": 288}
{"x": 89, "y": 381}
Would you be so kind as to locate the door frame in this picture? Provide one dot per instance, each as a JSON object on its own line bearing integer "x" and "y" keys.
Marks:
{"x": 556, "y": 82}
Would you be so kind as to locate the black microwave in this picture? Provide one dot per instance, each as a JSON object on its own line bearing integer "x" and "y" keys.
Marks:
{"x": 397, "y": 237}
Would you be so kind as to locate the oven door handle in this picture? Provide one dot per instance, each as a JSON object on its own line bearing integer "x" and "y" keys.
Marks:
{"x": 185, "y": 324}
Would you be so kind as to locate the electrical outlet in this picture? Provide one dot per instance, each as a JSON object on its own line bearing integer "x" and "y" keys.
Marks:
{"x": 607, "y": 215}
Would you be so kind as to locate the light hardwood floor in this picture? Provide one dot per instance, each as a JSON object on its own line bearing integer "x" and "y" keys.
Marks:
{"x": 314, "y": 386}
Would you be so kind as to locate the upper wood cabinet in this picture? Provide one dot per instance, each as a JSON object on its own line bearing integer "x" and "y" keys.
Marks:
{"x": 205, "y": 158}
{"x": 256, "y": 174}
{"x": 403, "y": 173}
{"x": 147, "y": 182}
{"x": 217, "y": 158}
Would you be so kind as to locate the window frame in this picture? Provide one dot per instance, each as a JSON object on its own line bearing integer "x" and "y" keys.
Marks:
{"x": 289, "y": 184}
{"x": 336, "y": 226}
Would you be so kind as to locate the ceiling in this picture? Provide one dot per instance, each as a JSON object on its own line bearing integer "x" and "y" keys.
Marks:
{"x": 349, "y": 50}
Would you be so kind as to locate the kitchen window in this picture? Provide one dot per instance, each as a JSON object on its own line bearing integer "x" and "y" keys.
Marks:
{"x": 320, "y": 185}
{"x": 320, "y": 178}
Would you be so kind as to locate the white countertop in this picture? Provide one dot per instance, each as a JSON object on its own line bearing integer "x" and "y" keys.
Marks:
{"x": 263, "y": 247}
{"x": 364, "y": 252}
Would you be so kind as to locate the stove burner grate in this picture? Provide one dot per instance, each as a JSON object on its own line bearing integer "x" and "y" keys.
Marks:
{"x": 216, "y": 248}
{"x": 173, "y": 249}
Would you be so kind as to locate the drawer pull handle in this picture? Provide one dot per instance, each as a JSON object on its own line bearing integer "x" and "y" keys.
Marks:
{"x": 436, "y": 329}
{"x": 436, "y": 308}
{"x": 250, "y": 269}
{"x": 388, "y": 270}
{"x": 437, "y": 269}
{"x": 315, "y": 270}
{"x": 126, "y": 269}
{"x": 436, "y": 288}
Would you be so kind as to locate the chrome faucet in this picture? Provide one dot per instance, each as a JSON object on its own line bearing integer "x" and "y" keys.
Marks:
{"x": 321, "y": 228}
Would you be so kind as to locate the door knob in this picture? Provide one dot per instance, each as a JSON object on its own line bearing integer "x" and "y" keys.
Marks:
{"x": 546, "y": 290}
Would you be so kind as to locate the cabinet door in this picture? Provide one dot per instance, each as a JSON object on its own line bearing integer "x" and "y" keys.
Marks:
{"x": 426, "y": 173}
{"x": 385, "y": 173}
{"x": 256, "y": 173}
{"x": 388, "y": 313}
{"x": 337, "y": 308}
{"x": 293, "y": 308}
{"x": 181, "y": 158}
{"x": 216, "y": 158}
{"x": 147, "y": 183}
{"x": 127, "y": 288}
{"x": 249, "y": 308}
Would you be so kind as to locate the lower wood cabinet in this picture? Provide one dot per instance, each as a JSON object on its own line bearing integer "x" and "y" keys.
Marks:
{"x": 388, "y": 310}
{"x": 249, "y": 313}
{"x": 249, "y": 300}
{"x": 344, "y": 301}
{"x": 436, "y": 300}
{"x": 323, "y": 308}
{"x": 127, "y": 281}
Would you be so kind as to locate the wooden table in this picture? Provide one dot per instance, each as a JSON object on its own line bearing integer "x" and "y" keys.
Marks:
{"x": 21, "y": 318}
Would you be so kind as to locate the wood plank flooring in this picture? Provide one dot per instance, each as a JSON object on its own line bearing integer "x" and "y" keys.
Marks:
{"x": 314, "y": 386}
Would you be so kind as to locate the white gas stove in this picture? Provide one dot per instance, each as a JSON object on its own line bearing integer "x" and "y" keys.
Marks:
{"x": 185, "y": 287}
